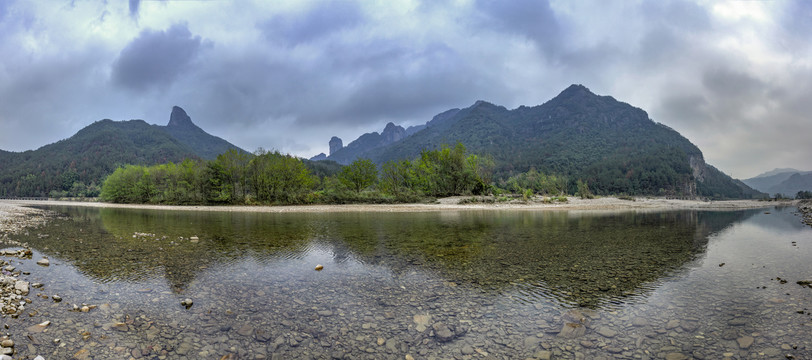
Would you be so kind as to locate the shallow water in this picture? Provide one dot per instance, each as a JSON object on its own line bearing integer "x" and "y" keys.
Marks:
{"x": 452, "y": 284}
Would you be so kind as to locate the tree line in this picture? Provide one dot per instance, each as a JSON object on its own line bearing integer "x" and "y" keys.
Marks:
{"x": 265, "y": 177}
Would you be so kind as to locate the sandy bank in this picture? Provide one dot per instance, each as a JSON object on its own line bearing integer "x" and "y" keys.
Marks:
{"x": 452, "y": 203}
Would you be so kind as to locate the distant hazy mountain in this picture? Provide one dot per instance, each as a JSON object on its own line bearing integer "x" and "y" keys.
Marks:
{"x": 786, "y": 181}
{"x": 613, "y": 146}
{"x": 365, "y": 143}
{"x": 97, "y": 150}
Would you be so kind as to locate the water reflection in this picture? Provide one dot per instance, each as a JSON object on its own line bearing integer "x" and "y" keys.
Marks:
{"x": 587, "y": 259}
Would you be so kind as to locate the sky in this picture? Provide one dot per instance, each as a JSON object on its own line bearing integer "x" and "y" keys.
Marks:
{"x": 734, "y": 77}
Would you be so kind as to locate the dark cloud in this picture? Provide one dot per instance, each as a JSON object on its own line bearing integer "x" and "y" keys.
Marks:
{"x": 533, "y": 19}
{"x": 324, "y": 19}
{"x": 134, "y": 7}
{"x": 155, "y": 58}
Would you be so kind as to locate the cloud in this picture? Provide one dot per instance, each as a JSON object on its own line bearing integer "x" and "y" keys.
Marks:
{"x": 156, "y": 58}
{"x": 317, "y": 22}
{"x": 134, "y": 6}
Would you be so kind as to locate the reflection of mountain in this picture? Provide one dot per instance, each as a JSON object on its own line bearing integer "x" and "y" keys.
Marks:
{"x": 578, "y": 258}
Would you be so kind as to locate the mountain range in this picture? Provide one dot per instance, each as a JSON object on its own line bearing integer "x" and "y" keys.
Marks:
{"x": 786, "y": 181}
{"x": 94, "y": 152}
{"x": 612, "y": 145}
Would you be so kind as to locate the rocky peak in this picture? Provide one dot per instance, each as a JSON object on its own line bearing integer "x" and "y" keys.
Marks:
{"x": 393, "y": 133}
{"x": 335, "y": 144}
{"x": 179, "y": 118}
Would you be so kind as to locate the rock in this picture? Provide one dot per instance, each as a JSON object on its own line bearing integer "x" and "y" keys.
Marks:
{"x": 319, "y": 267}
{"x": 745, "y": 342}
{"x": 324, "y": 313}
{"x": 245, "y": 330}
{"x": 39, "y": 357}
{"x": 607, "y": 332}
{"x": 531, "y": 342}
{"x": 262, "y": 335}
{"x": 38, "y": 328}
{"x": 85, "y": 309}
{"x": 442, "y": 332}
{"x": 676, "y": 356}
{"x": 467, "y": 350}
{"x": 82, "y": 354}
{"x": 22, "y": 286}
{"x": 187, "y": 303}
{"x": 6, "y": 357}
{"x": 638, "y": 321}
{"x": 737, "y": 322}
{"x": 7, "y": 343}
{"x": 422, "y": 322}
{"x": 44, "y": 262}
{"x": 408, "y": 357}
{"x": 37, "y": 285}
{"x": 194, "y": 239}
{"x": 6, "y": 351}
{"x": 120, "y": 326}
{"x": 671, "y": 324}
{"x": 572, "y": 330}
{"x": 543, "y": 355}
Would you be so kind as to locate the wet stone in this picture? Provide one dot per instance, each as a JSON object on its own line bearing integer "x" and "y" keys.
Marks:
{"x": 245, "y": 330}
{"x": 572, "y": 330}
{"x": 745, "y": 342}
{"x": 607, "y": 332}
{"x": 442, "y": 332}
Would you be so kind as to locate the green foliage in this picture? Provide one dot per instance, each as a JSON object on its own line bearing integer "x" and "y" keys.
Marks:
{"x": 537, "y": 182}
{"x": 359, "y": 175}
{"x": 583, "y": 190}
{"x": 803, "y": 195}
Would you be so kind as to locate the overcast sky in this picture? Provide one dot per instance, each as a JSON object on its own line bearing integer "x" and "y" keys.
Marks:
{"x": 734, "y": 77}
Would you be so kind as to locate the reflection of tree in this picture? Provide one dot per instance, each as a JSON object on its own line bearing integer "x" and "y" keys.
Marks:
{"x": 580, "y": 258}
{"x": 583, "y": 258}
{"x": 131, "y": 244}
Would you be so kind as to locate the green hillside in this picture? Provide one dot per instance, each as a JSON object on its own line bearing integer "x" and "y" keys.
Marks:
{"x": 611, "y": 145}
{"x": 76, "y": 166}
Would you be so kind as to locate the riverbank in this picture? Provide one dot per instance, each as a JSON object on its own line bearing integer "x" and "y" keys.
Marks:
{"x": 805, "y": 207}
{"x": 450, "y": 203}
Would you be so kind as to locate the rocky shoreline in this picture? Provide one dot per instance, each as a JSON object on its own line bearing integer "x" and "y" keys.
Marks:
{"x": 805, "y": 208}
{"x": 15, "y": 291}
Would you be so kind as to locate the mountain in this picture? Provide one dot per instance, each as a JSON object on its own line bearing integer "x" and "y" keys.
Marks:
{"x": 777, "y": 171}
{"x": 612, "y": 145}
{"x": 364, "y": 144}
{"x": 784, "y": 181}
{"x": 206, "y": 146}
{"x": 86, "y": 158}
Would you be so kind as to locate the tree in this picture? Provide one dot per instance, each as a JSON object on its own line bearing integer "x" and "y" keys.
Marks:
{"x": 583, "y": 190}
{"x": 359, "y": 175}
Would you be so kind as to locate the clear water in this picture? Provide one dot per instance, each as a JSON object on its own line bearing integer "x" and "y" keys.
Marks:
{"x": 453, "y": 284}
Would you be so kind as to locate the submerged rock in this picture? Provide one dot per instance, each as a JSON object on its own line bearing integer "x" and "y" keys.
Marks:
{"x": 44, "y": 262}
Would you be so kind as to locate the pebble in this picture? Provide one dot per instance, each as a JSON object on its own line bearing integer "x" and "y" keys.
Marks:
{"x": 44, "y": 262}
{"x": 745, "y": 342}
{"x": 319, "y": 267}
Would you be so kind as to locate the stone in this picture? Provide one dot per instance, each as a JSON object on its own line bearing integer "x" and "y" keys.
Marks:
{"x": 38, "y": 328}
{"x": 82, "y": 354}
{"x": 7, "y": 343}
{"x": 543, "y": 355}
{"x": 187, "y": 303}
{"x": 43, "y": 262}
{"x": 572, "y": 330}
{"x": 39, "y": 357}
{"x": 531, "y": 342}
{"x": 325, "y": 313}
{"x": 638, "y": 321}
{"x": 421, "y": 321}
{"x": 671, "y": 324}
{"x": 6, "y": 357}
{"x": 262, "y": 335}
{"x": 245, "y": 330}
{"x": 22, "y": 286}
{"x": 676, "y": 356}
{"x": 194, "y": 239}
{"x": 408, "y": 357}
{"x": 319, "y": 267}
{"x": 607, "y": 332}
{"x": 745, "y": 342}
{"x": 120, "y": 326}
{"x": 737, "y": 322}
{"x": 442, "y": 332}
{"x": 467, "y": 350}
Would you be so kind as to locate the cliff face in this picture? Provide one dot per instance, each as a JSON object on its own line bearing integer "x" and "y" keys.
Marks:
{"x": 335, "y": 144}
